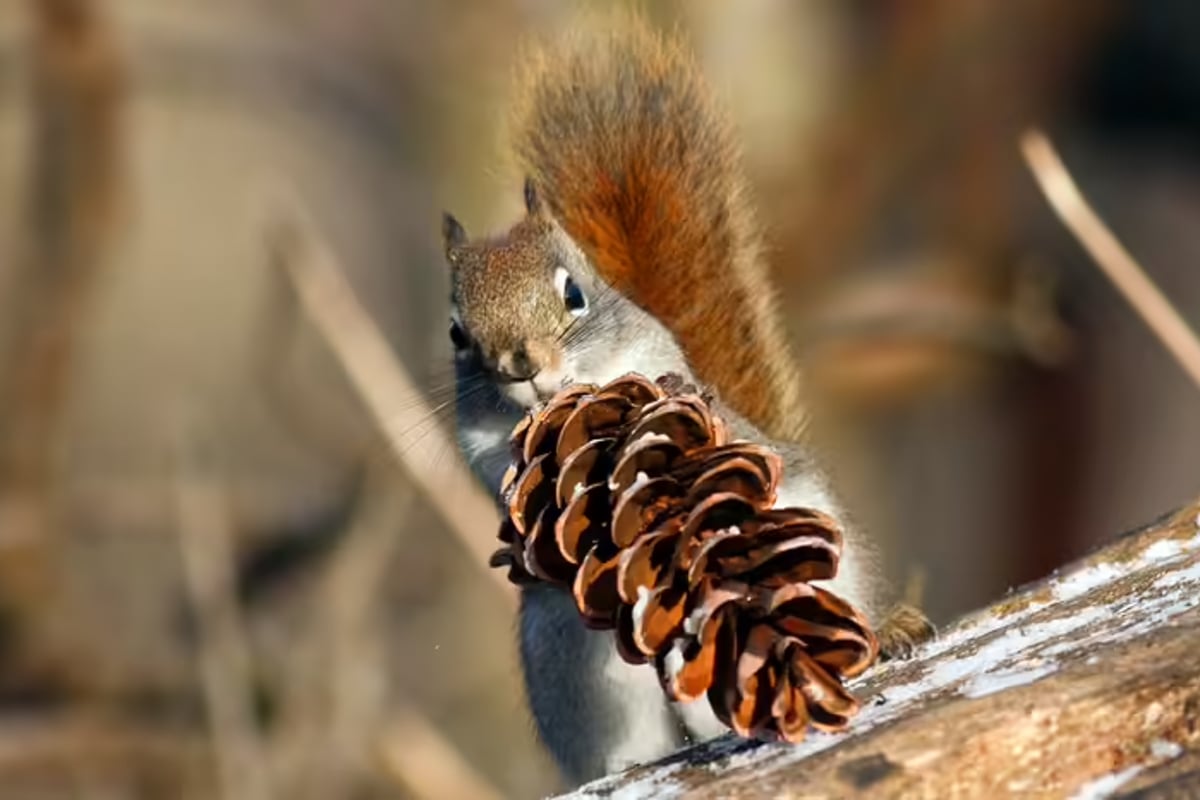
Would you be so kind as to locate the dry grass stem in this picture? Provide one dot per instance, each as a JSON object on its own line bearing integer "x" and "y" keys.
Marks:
{"x": 205, "y": 538}
{"x": 340, "y": 710}
{"x": 359, "y": 717}
{"x": 48, "y": 275}
{"x": 74, "y": 198}
{"x": 429, "y": 766}
{"x": 348, "y": 623}
{"x": 1109, "y": 254}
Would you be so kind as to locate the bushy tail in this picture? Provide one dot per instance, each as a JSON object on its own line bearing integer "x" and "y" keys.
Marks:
{"x": 635, "y": 160}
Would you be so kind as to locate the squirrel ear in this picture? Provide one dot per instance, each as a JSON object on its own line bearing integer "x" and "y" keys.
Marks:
{"x": 533, "y": 200}
{"x": 453, "y": 233}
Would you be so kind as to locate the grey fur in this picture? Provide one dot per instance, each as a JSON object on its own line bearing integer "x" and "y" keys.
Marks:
{"x": 595, "y": 713}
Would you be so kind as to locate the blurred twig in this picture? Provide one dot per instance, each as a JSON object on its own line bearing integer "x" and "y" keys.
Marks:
{"x": 342, "y": 720}
{"x": 206, "y": 543}
{"x": 74, "y": 201}
{"x": 77, "y": 97}
{"x": 357, "y": 673}
{"x": 390, "y": 395}
{"x": 101, "y": 753}
{"x": 917, "y": 306}
{"x": 280, "y": 343}
{"x": 79, "y": 89}
{"x": 428, "y": 765}
{"x": 1109, "y": 254}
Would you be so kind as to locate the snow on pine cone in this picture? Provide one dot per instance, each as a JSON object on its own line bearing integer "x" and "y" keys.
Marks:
{"x": 632, "y": 496}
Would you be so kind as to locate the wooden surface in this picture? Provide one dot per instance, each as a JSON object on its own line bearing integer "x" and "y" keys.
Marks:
{"x": 1083, "y": 685}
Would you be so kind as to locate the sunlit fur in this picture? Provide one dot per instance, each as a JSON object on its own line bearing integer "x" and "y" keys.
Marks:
{"x": 632, "y": 153}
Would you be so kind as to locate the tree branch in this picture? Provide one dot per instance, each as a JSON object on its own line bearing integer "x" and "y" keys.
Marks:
{"x": 391, "y": 397}
{"x": 1109, "y": 254}
{"x": 1087, "y": 679}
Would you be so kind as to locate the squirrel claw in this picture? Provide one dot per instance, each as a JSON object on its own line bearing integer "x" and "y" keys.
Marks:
{"x": 903, "y": 630}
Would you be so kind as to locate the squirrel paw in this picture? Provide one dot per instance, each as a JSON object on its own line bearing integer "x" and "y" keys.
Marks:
{"x": 903, "y": 629}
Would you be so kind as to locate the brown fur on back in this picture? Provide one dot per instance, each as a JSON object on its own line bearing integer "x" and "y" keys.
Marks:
{"x": 634, "y": 159}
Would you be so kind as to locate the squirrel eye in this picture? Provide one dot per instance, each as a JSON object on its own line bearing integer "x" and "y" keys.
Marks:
{"x": 572, "y": 296}
{"x": 458, "y": 336}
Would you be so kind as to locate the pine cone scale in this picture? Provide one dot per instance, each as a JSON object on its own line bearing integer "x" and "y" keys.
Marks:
{"x": 642, "y": 506}
{"x": 715, "y": 513}
{"x": 699, "y": 462}
{"x": 644, "y": 563}
{"x": 626, "y": 646}
{"x": 739, "y": 476}
{"x": 768, "y": 563}
{"x": 596, "y": 416}
{"x": 682, "y": 419}
{"x": 541, "y": 437}
{"x": 595, "y": 590}
{"x": 543, "y": 557}
{"x": 583, "y": 468}
{"x": 790, "y": 708}
{"x": 658, "y": 618}
{"x": 829, "y": 704}
{"x": 529, "y": 495}
{"x": 653, "y": 455}
{"x": 691, "y": 668}
{"x": 583, "y": 522}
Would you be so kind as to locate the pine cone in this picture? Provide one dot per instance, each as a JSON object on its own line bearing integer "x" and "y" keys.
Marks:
{"x": 633, "y": 496}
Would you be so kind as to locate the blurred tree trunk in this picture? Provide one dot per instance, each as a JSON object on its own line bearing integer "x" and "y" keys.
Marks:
{"x": 74, "y": 196}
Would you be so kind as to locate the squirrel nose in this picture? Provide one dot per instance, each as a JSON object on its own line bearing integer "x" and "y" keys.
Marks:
{"x": 517, "y": 365}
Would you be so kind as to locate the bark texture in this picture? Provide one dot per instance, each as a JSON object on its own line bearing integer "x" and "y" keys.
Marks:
{"x": 1085, "y": 684}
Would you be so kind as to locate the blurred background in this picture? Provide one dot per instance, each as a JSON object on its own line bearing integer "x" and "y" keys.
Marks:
{"x": 217, "y": 578}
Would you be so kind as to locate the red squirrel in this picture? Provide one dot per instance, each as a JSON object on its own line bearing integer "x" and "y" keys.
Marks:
{"x": 639, "y": 252}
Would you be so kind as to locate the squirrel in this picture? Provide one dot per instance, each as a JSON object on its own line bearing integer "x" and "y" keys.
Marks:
{"x": 638, "y": 252}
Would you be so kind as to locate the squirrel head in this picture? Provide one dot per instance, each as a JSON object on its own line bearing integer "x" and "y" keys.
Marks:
{"x": 530, "y": 313}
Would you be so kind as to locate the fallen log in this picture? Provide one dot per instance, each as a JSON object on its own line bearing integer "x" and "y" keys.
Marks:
{"x": 1084, "y": 685}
